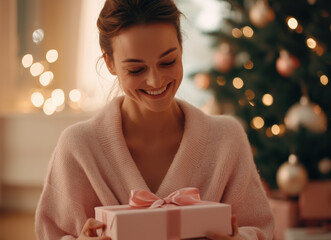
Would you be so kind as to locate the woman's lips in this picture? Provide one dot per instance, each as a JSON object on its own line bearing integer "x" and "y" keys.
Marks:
{"x": 157, "y": 92}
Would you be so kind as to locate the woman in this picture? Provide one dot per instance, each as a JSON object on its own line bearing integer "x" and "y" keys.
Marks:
{"x": 147, "y": 139}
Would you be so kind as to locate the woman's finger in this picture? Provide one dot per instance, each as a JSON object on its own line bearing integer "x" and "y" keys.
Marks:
{"x": 91, "y": 226}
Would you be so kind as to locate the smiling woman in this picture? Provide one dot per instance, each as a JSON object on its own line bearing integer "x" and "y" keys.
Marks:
{"x": 148, "y": 139}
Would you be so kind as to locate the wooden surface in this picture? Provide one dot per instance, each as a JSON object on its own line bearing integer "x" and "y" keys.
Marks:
{"x": 17, "y": 226}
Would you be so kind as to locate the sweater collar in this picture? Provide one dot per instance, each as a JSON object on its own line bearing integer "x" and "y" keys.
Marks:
{"x": 179, "y": 174}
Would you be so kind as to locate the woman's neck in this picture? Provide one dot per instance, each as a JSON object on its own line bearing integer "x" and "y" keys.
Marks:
{"x": 150, "y": 125}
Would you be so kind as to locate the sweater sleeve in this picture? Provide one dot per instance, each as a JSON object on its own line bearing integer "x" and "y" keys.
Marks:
{"x": 246, "y": 194}
{"x": 68, "y": 199}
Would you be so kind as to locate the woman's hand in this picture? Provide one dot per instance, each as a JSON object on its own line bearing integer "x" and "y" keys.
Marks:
{"x": 89, "y": 230}
{"x": 235, "y": 235}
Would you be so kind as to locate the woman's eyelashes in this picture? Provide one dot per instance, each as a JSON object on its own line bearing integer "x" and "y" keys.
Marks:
{"x": 136, "y": 71}
{"x": 168, "y": 63}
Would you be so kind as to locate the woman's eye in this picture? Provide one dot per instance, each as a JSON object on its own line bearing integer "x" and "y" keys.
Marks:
{"x": 168, "y": 63}
{"x": 136, "y": 71}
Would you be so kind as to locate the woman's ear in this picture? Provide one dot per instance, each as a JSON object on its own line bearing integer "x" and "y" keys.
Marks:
{"x": 110, "y": 63}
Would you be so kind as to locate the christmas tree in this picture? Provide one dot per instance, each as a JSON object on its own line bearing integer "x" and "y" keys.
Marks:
{"x": 271, "y": 69}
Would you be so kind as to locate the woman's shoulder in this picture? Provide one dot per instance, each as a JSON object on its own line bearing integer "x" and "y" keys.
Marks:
{"x": 228, "y": 122}
{"x": 86, "y": 130}
{"x": 223, "y": 123}
{"x": 77, "y": 134}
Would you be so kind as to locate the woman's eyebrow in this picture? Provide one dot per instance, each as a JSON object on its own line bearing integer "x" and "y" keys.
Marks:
{"x": 167, "y": 52}
{"x": 139, "y": 60}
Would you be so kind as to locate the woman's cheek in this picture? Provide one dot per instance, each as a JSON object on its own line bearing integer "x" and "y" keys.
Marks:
{"x": 131, "y": 83}
{"x": 176, "y": 72}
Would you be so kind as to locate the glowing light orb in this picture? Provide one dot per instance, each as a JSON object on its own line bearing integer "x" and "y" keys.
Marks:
{"x": 248, "y": 32}
{"x": 58, "y": 97}
{"x": 27, "y": 60}
{"x": 236, "y": 33}
{"x": 238, "y": 82}
{"x": 38, "y": 36}
{"x": 257, "y": 122}
{"x": 275, "y": 129}
{"x": 324, "y": 80}
{"x": 49, "y": 107}
{"x": 75, "y": 95}
{"x": 267, "y": 99}
{"x": 37, "y": 99}
{"x": 292, "y": 23}
{"x": 46, "y": 78}
{"x": 311, "y": 43}
{"x": 36, "y": 69}
{"x": 52, "y": 55}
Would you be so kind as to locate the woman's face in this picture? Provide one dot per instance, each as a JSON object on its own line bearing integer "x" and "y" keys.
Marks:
{"x": 148, "y": 62}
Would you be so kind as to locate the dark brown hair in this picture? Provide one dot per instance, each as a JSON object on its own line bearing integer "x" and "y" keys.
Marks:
{"x": 119, "y": 14}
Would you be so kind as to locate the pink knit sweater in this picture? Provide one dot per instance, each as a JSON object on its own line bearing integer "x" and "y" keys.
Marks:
{"x": 92, "y": 166}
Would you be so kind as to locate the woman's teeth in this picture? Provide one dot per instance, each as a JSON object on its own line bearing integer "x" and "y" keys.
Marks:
{"x": 158, "y": 92}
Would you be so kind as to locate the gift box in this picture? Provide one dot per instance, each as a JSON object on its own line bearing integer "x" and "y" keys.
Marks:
{"x": 315, "y": 201}
{"x": 286, "y": 215}
{"x": 164, "y": 219}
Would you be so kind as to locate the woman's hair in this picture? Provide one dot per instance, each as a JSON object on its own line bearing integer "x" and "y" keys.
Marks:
{"x": 117, "y": 15}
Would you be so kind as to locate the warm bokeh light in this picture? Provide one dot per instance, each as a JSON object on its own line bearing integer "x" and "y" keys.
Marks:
{"x": 292, "y": 23}
{"x": 58, "y": 97}
{"x": 238, "y": 82}
{"x": 268, "y": 132}
{"x": 236, "y": 33}
{"x": 299, "y": 29}
{"x": 242, "y": 101}
{"x": 249, "y": 65}
{"x": 275, "y": 129}
{"x": 37, "y": 99}
{"x": 221, "y": 81}
{"x": 75, "y": 95}
{"x": 267, "y": 99}
{"x": 52, "y": 55}
{"x": 311, "y": 43}
{"x": 38, "y": 36}
{"x": 282, "y": 129}
{"x": 248, "y": 32}
{"x": 324, "y": 80}
{"x": 49, "y": 107}
{"x": 319, "y": 50}
{"x": 46, "y": 78}
{"x": 257, "y": 122}
{"x": 250, "y": 94}
{"x": 36, "y": 69}
{"x": 311, "y": 2}
{"x": 27, "y": 60}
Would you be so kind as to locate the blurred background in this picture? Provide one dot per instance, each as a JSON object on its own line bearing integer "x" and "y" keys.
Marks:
{"x": 267, "y": 63}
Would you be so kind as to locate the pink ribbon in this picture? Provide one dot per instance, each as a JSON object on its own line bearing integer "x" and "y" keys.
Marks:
{"x": 181, "y": 197}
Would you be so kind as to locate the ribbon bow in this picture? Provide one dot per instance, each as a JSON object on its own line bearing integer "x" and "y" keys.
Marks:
{"x": 181, "y": 197}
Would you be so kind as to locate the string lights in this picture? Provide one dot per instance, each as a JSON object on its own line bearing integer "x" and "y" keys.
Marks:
{"x": 257, "y": 122}
{"x": 248, "y": 32}
{"x": 52, "y": 55}
{"x": 56, "y": 102}
{"x": 27, "y": 60}
{"x": 267, "y": 99}
{"x": 238, "y": 83}
{"x": 36, "y": 69}
{"x": 46, "y": 78}
{"x": 324, "y": 79}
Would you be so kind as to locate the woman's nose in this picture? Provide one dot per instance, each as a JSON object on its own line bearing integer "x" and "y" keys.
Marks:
{"x": 154, "y": 79}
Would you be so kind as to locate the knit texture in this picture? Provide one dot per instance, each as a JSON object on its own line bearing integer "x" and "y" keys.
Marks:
{"x": 92, "y": 166}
